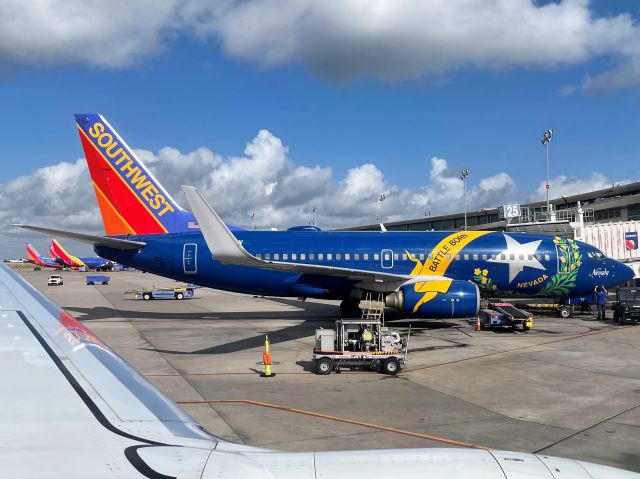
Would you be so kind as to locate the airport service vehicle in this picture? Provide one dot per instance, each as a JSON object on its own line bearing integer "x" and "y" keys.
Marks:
{"x": 92, "y": 279}
{"x": 163, "y": 293}
{"x": 359, "y": 342}
{"x": 627, "y": 305}
{"x": 55, "y": 280}
{"x": 34, "y": 257}
{"x": 61, "y": 381}
{"x": 432, "y": 274}
{"x": 505, "y": 315}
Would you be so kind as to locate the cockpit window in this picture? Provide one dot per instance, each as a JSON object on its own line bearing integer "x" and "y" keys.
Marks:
{"x": 596, "y": 254}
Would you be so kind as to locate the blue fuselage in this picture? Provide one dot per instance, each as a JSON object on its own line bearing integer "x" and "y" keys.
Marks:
{"x": 513, "y": 264}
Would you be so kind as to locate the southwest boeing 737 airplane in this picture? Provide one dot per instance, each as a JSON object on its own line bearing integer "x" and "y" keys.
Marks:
{"x": 73, "y": 409}
{"x": 61, "y": 255}
{"x": 423, "y": 274}
{"x": 34, "y": 257}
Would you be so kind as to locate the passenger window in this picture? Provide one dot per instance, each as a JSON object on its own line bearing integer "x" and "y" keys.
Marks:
{"x": 376, "y": 256}
{"x": 430, "y": 256}
{"x": 312, "y": 256}
{"x": 503, "y": 256}
{"x": 466, "y": 257}
{"x": 448, "y": 256}
{"x": 356, "y": 256}
{"x": 366, "y": 256}
{"x": 320, "y": 256}
{"x": 285, "y": 256}
{"x": 475, "y": 257}
{"x": 421, "y": 256}
{"x": 395, "y": 256}
{"x": 347, "y": 256}
{"x": 259, "y": 255}
{"x": 539, "y": 257}
{"x": 338, "y": 256}
{"x": 404, "y": 256}
{"x": 512, "y": 257}
{"x": 485, "y": 257}
{"x": 267, "y": 256}
{"x": 457, "y": 257}
{"x": 547, "y": 257}
{"x": 294, "y": 256}
{"x": 530, "y": 256}
{"x": 276, "y": 256}
{"x": 329, "y": 256}
{"x": 303, "y": 256}
{"x": 521, "y": 256}
{"x": 494, "y": 257}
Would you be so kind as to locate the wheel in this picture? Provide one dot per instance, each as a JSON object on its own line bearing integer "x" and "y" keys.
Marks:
{"x": 324, "y": 366}
{"x": 105, "y": 282}
{"x": 61, "y": 283}
{"x": 564, "y": 312}
{"x": 146, "y": 296}
{"x": 179, "y": 295}
{"x": 391, "y": 366}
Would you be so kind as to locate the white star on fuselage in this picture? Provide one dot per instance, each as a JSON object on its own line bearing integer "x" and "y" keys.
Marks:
{"x": 523, "y": 254}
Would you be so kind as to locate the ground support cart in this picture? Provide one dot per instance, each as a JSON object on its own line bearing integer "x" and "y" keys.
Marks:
{"x": 359, "y": 343}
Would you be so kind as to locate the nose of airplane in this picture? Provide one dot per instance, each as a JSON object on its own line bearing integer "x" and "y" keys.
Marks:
{"x": 626, "y": 273}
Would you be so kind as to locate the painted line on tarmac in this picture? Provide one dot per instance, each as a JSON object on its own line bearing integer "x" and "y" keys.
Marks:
{"x": 522, "y": 348}
{"x": 339, "y": 419}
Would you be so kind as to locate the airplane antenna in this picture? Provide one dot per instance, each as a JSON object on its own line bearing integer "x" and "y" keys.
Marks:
{"x": 253, "y": 216}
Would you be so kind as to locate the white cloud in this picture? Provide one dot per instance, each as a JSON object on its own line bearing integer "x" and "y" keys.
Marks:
{"x": 564, "y": 185}
{"x": 264, "y": 181}
{"x": 388, "y": 39}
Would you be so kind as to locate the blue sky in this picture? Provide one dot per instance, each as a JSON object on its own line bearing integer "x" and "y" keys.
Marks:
{"x": 339, "y": 100}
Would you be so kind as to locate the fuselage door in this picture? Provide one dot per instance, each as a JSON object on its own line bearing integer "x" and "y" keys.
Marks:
{"x": 189, "y": 258}
{"x": 386, "y": 258}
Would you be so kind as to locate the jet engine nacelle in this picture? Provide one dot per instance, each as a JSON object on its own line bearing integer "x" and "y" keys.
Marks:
{"x": 437, "y": 299}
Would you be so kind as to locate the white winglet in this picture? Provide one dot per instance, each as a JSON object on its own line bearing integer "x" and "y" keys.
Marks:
{"x": 222, "y": 244}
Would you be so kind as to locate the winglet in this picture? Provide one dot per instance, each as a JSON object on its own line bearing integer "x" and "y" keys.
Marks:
{"x": 221, "y": 242}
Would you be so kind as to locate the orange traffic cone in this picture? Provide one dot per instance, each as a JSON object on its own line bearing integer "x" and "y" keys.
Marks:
{"x": 478, "y": 327}
{"x": 266, "y": 360}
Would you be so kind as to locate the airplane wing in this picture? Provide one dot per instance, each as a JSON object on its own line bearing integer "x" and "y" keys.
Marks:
{"x": 117, "y": 243}
{"x": 224, "y": 246}
{"x": 72, "y": 408}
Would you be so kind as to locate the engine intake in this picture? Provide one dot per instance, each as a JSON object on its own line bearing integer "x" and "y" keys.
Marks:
{"x": 437, "y": 299}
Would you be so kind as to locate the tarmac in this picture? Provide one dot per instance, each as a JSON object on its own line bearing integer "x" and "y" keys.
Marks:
{"x": 569, "y": 387}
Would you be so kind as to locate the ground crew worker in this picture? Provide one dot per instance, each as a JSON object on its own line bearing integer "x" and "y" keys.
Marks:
{"x": 601, "y": 301}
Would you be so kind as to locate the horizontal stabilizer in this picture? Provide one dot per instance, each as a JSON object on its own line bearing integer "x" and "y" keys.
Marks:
{"x": 95, "y": 240}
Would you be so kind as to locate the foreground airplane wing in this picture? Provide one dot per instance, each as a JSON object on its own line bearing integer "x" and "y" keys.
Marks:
{"x": 117, "y": 243}
{"x": 227, "y": 249}
{"x": 72, "y": 408}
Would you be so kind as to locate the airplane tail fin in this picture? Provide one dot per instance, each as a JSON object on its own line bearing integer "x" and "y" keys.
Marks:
{"x": 131, "y": 200}
{"x": 60, "y": 252}
{"x": 33, "y": 255}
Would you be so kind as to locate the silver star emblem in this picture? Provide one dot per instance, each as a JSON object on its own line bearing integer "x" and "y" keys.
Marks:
{"x": 517, "y": 256}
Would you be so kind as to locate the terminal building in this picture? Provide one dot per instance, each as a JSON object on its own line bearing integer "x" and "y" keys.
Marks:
{"x": 608, "y": 219}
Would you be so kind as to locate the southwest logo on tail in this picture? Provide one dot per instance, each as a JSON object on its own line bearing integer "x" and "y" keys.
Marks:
{"x": 131, "y": 200}
{"x": 34, "y": 257}
{"x": 62, "y": 254}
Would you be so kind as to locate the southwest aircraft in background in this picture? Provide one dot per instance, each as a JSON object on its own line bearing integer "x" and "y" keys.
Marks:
{"x": 59, "y": 254}
{"x": 34, "y": 257}
{"x": 422, "y": 274}
{"x": 110, "y": 421}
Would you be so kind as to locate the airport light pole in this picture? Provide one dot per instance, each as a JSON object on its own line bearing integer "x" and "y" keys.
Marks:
{"x": 464, "y": 174}
{"x": 546, "y": 139}
{"x": 383, "y": 197}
